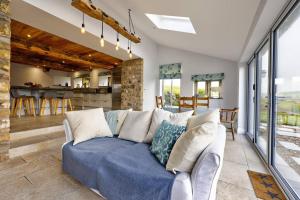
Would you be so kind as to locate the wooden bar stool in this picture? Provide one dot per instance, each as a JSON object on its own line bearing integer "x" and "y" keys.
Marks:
{"x": 19, "y": 102}
{"x": 49, "y": 97}
{"x": 65, "y": 101}
{"x": 228, "y": 117}
{"x": 159, "y": 102}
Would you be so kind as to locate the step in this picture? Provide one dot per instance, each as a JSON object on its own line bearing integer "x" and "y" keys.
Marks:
{"x": 24, "y": 141}
{"x": 35, "y": 132}
{"x": 36, "y": 147}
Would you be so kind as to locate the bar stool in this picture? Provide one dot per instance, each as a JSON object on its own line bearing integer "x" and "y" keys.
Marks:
{"x": 49, "y": 97}
{"x": 65, "y": 101}
{"x": 21, "y": 101}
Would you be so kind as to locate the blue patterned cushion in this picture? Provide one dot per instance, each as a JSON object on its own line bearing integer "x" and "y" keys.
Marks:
{"x": 164, "y": 140}
{"x": 112, "y": 120}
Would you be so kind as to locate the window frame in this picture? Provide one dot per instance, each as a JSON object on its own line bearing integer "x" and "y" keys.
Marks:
{"x": 208, "y": 89}
{"x": 162, "y": 84}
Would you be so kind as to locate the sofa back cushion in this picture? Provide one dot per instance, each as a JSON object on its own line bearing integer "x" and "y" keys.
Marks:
{"x": 88, "y": 124}
{"x": 159, "y": 115}
{"x": 190, "y": 145}
{"x": 136, "y": 126}
{"x": 115, "y": 120}
{"x": 164, "y": 140}
{"x": 209, "y": 116}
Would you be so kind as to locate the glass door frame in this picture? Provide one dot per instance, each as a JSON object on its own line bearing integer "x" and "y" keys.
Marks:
{"x": 252, "y": 136}
{"x": 269, "y": 159}
{"x": 282, "y": 181}
{"x": 266, "y": 40}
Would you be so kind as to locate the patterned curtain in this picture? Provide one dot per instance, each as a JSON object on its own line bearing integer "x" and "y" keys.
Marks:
{"x": 208, "y": 77}
{"x": 170, "y": 71}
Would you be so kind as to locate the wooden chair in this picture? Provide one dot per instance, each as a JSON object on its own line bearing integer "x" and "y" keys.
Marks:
{"x": 159, "y": 102}
{"x": 228, "y": 117}
{"x": 187, "y": 102}
{"x": 202, "y": 102}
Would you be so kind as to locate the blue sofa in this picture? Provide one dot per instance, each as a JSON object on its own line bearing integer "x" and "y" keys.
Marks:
{"x": 89, "y": 162}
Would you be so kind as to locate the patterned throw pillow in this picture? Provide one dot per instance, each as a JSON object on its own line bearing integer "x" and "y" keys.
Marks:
{"x": 164, "y": 140}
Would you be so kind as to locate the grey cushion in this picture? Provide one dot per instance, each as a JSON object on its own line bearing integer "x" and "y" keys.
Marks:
{"x": 207, "y": 169}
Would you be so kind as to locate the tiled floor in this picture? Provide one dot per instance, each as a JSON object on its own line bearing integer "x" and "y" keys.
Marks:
{"x": 39, "y": 176}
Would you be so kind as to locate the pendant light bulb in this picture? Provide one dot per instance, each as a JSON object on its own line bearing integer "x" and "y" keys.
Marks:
{"x": 102, "y": 41}
{"x": 118, "y": 44}
{"x": 128, "y": 50}
{"x": 130, "y": 54}
{"x": 82, "y": 29}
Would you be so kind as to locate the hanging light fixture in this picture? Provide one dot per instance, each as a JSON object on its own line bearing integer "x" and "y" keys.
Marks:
{"x": 82, "y": 25}
{"x": 102, "y": 37}
{"x": 129, "y": 50}
{"x": 118, "y": 42}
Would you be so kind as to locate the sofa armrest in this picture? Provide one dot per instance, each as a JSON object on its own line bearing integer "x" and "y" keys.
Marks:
{"x": 207, "y": 169}
{"x": 68, "y": 131}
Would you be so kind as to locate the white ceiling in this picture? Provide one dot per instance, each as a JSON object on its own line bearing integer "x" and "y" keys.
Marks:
{"x": 222, "y": 26}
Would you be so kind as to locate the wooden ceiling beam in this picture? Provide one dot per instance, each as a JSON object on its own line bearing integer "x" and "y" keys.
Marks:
{"x": 89, "y": 9}
{"x": 42, "y": 63}
{"x": 54, "y": 53}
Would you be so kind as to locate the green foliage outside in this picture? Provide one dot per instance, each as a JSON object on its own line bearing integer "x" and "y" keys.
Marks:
{"x": 169, "y": 97}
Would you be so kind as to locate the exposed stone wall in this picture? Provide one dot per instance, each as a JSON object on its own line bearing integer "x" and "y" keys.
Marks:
{"x": 4, "y": 78}
{"x": 132, "y": 84}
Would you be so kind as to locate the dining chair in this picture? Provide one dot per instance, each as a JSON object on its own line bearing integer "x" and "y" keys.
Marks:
{"x": 187, "y": 102}
{"x": 228, "y": 117}
{"x": 159, "y": 102}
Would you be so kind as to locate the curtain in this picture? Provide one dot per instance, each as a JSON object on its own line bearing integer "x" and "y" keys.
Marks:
{"x": 170, "y": 71}
{"x": 208, "y": 77}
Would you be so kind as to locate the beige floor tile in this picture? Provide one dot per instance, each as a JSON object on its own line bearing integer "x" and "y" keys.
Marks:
{"x": 234, "y": 153}
{"x": 81, "y": 194}
{"x": 235, "y": 174}
{"x": 227, "y": 191}
{"x": 11, "y": 163}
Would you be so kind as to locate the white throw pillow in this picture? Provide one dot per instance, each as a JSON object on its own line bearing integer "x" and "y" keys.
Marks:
{"x": 88, "y": 124}
{"x": 209, "y": 116}
{"x": 189, "y": 146}
{"x": 136, "y": 126}
{"x": 121, "y": 118}
{"x": 160, "y": 115}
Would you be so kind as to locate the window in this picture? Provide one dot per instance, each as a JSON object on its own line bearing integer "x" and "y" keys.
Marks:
{"x": 287, "y": 100}
{"x": 210, "y": 89}
{"x": 170, "y": 90}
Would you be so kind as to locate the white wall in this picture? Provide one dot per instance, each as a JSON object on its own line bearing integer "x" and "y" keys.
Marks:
{"x": 242, "y": 67}
{"x": 193, "y": 63}
{"x": 20, "y": 74}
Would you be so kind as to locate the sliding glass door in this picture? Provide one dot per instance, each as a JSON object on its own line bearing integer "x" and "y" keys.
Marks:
{"x": 287, "y": 100}
{"x": 262, "y": 126}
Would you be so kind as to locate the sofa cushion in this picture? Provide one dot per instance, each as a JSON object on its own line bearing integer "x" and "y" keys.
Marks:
{"x": 136, "y": 126}
{"x": 88, "y": 124}
{"x": 209, "y": 116}
{"x": 164, "y": 140}
{"x": 189, "y": 146}
{"x": 159, "y": 115}
{"x": 115, "y": 120}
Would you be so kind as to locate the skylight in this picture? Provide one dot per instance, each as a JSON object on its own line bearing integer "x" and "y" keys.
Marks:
{"x": 172, "y": 23}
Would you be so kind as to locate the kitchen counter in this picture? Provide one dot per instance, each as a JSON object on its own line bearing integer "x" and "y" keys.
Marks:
{"x": 100, "y": 90}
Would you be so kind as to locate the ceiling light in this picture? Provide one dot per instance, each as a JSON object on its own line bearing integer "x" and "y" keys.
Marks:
{"x": 90, "y": 55}
{"x": 82, "y": 25}
{"x": 102, "y": 37}
{"x": 28, "y": 35}
{"x": 172, "y": 23}
{"x": 118, "y": 42}
{"x": 130, "y": 54}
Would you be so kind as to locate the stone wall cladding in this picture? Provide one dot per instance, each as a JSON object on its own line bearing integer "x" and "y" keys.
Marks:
{"x": 4, "y": 79}
{"x": 132, "y": 80}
